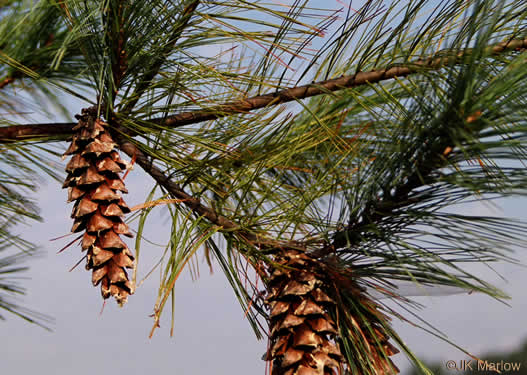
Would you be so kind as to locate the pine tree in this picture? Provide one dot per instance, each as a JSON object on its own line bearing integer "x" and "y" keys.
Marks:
{"x": 314, "y": 155}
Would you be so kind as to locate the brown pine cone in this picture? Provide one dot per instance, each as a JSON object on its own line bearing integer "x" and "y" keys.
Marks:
{"x": 301, "y": 330}
{"x": 95, "y": 185}
{"x": 303, "y": 336}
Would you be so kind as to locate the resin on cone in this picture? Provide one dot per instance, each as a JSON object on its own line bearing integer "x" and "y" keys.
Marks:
{"x": 95, "y": 185}
{"x": 303, "y": 336}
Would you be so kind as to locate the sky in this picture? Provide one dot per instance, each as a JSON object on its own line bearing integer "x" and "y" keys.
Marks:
{"x": 211, "y": 334}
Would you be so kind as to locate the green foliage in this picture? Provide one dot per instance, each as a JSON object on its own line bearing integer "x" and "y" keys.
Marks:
{"x": 10, "y": 287}
{"x": 18, "y": 179}
{"x": 376, "y": 173}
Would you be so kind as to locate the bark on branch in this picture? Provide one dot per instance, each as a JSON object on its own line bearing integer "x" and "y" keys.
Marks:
{"x": 60, "y": 131}
{"x": 197, "y": 207}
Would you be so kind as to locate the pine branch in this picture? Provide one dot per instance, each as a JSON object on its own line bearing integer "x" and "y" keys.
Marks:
{"x": 55, "y": 131}
{"x": 377, "y": 210}
{"x": 146, "y": 79}
{"x": 197, "y": 207}
{"x": 404, "y": 195}
{"x": 59, "y": 131}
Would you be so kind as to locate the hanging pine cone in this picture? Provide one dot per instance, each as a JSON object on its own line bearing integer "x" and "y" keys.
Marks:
{"x": 301, "y": 330}
{"x": 94, "y": 184}
{"x": 303, "y": 336}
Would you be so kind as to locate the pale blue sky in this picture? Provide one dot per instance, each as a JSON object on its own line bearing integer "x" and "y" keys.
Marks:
{"x": 211, "y": 335}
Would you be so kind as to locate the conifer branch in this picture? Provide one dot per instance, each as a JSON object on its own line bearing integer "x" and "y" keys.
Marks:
{"x": 199, "y": 208}
{"x": 21, "y": 133}
{"x": 377, "y": 210}
{"x": 145, "y": 80}
{"x": 445, "y": 58}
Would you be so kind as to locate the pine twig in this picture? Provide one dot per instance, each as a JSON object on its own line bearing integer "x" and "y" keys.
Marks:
{"x": 58, "y": 131}
{"x": 199, "y": 208}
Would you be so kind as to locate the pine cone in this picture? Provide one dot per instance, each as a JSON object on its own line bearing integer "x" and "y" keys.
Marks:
{"x": 303, "y": 336}
{"x": 94, "y": 184}
{"x": 301, "y": 330}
